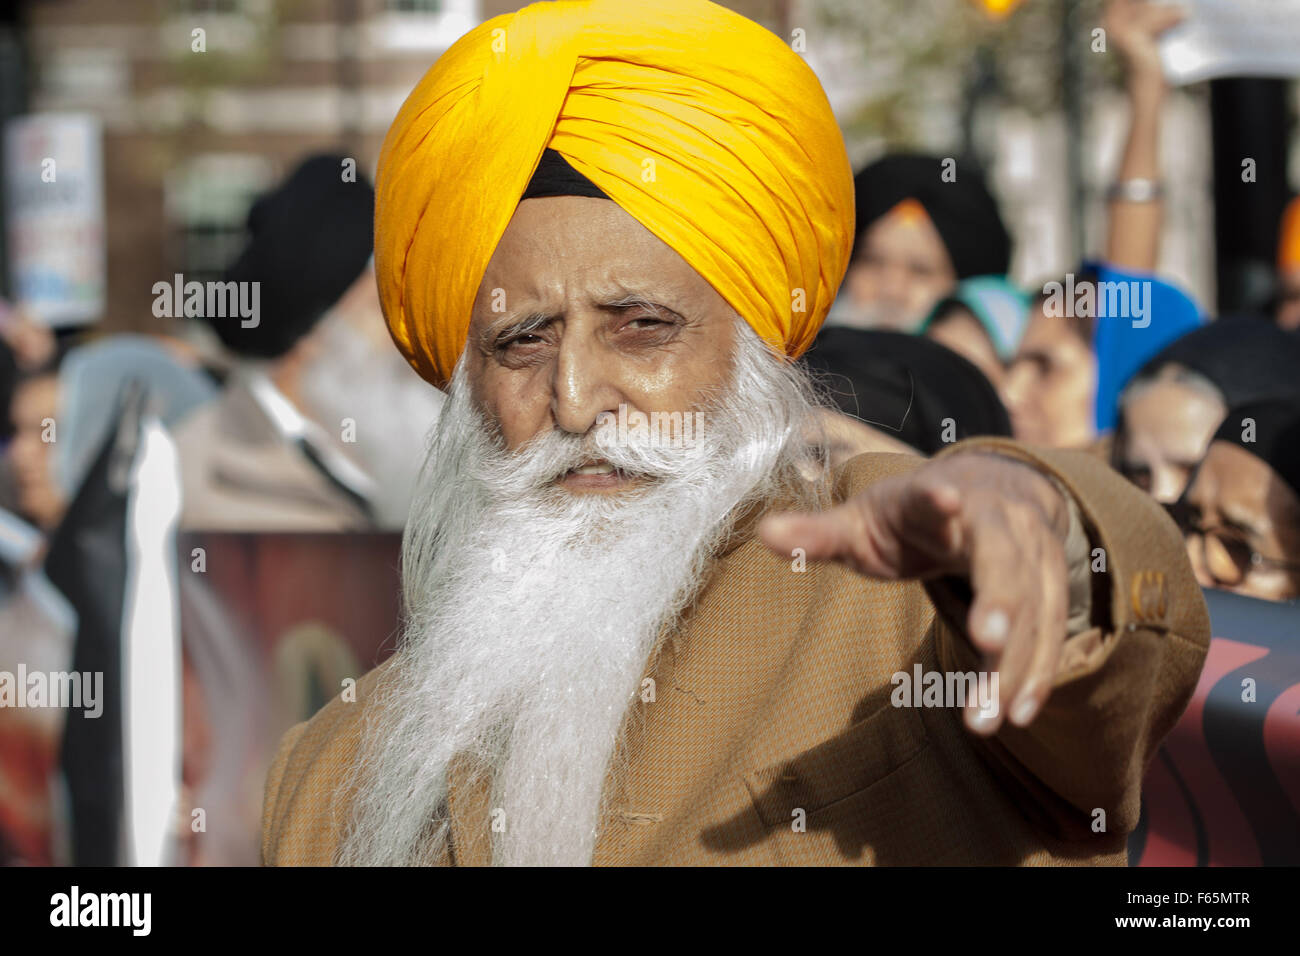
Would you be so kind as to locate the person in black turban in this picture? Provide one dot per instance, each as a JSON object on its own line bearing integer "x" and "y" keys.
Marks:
{"x": 1168, "y": 412}
{"x": 309, "y": 241}
{"x": 1241, "y": 512}
{"x": 303, "y": 436}
{"x": 923, "y": 223}
{"x": 909, "y": 387}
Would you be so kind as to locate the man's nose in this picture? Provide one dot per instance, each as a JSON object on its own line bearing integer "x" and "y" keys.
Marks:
{"x": 583, "y": 385}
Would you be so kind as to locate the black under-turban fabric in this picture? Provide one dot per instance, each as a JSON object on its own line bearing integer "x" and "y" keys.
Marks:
{"x": 310, "y": 240}
{"x": 1248, "y": 359}
{"x": 554, "y": 176}
{"x": 1276, "y": 435}
{"x": 964, "y": 212}
{"x": 906, "y": 385}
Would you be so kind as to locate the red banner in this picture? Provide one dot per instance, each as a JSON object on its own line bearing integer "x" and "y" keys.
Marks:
{"x": 272, "y": 626}
{"x": 1224, "y": 789}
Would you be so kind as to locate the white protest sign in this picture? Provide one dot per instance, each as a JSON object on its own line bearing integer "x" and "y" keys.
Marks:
{"x": 54, "y": 187}
{"x": 1233, "y": 38}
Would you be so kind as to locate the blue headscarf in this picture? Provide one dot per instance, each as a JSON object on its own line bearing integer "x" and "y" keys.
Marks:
{"x": 1123, "y": 348}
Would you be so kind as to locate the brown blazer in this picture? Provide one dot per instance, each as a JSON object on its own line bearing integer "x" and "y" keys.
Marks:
{"x": 774, "y": 697}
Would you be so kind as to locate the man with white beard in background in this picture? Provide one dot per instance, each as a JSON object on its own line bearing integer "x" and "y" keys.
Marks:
{"x": 356, "y": 375}
{"x": 315, "y": 426}
{"x": 616, "y": 648}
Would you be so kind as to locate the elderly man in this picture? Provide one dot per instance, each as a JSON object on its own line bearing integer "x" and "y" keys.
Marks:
{"x": 616, "y": 650}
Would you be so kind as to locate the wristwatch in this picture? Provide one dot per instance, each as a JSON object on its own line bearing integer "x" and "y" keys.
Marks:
{"x": 1135, "y": 190}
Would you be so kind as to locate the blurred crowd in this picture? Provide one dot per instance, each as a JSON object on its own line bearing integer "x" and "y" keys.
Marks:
{"x": 312, "y": 422}
{"x": 930, "y": 342}
{"x": 304, "y": 419}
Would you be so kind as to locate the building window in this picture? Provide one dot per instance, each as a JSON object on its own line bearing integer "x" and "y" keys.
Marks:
{"x": 207, "y": 200}
{"x": 415, "y": 6}
{"x": 211, "y": 6}
{"x": 423, "y": 26}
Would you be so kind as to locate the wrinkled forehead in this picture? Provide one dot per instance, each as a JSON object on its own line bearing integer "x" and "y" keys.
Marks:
{"x": 565, "y": 252}
{"x": 1235, "y": 485}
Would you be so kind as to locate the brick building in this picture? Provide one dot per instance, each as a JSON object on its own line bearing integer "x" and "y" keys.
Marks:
{"x": 192, "y": 135}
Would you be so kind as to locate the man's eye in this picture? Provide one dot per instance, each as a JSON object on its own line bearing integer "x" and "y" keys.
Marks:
{"x": 526, "y": 339}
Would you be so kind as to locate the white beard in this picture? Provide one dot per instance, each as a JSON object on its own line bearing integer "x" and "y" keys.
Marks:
{"x": 531, "y": 614}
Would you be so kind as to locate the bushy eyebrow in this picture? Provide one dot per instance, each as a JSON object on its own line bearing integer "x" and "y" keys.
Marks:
{"x": 502, "y": 332}
{"x": 496, "y": 335}
{"x": 633, "y": 300}
{"x": 625, "y": 300}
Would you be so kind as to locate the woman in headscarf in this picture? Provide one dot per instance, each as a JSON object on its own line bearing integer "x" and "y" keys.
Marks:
{"x": 982, "y": 321}
{"x": 1079, "y": 350}
{"x": 1241, "y": 512}
{"x": 1169, "y": 411}
{"x": 1062, "y": 388}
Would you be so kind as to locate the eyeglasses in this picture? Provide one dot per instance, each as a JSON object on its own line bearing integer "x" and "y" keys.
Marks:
{"x": 1228, "y": 544}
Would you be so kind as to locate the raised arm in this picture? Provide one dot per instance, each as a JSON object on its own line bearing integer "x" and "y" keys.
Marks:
{"x": 1136, "y": 208}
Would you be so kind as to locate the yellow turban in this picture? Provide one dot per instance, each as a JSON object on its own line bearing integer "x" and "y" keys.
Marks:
{"x": 706, "y": 128}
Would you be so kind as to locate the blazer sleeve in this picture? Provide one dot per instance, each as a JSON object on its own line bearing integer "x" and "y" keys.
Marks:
{"x": 271, "y": 795}
{"x": 1123, "y": 681}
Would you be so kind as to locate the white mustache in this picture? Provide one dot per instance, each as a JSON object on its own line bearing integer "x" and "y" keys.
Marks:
{"x": 547, "y": 457}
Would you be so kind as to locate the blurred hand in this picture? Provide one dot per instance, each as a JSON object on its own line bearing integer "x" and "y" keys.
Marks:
{"x": 994, "y": 521}
{"x": 1134, "y": 28}
{"x": 32, "y": 342}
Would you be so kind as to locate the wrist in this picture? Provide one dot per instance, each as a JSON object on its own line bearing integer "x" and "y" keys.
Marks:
{"x": 1052, "y": 498}
{"x": 1146, "y": 91}
{"x": 1056, "y": 506}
